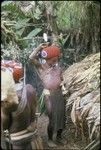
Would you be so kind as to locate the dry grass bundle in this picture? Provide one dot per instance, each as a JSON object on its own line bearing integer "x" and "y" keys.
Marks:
{"x": 82, "y": 90}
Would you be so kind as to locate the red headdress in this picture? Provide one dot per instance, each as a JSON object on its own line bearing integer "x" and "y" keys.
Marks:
{"x": 15, "y": 67}
{"x": 50, "y": 52}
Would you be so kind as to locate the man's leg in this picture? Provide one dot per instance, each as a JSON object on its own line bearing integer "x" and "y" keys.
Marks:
{"x": 50, "y": 135}
{"x": 49, "y": 128}
{"x": 59, "y": 138}
{"x": 50, "y": 132}
{"x": 48, "y": 106}
{"x": 59, "y": 134}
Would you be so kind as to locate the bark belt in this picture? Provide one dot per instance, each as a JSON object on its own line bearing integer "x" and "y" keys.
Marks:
{"x": 21, "y": 136}
{"x": 23, "y": 101}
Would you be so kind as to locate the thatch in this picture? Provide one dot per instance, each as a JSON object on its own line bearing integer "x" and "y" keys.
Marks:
{"x": 82, "y": 90}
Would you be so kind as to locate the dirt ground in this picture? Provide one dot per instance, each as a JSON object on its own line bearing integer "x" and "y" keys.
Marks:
{"x": 69, "y": 134}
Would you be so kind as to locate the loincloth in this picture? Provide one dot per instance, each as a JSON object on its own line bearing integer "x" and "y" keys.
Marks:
{"x": 58, "y": 108}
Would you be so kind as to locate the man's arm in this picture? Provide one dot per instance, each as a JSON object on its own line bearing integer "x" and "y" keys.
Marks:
{"x": 34, "y": 58}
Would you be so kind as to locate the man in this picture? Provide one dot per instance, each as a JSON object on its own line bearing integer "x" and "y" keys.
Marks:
{"x": 9, "y": 98}
{"x": 8, "y": 91}
{"x": 45, "y": 58}
{"x": 9, "y": 101}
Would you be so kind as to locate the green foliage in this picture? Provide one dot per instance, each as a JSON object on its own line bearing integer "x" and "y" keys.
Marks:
{"x": 13, "y": 10}
{"x": 79, "y": 21}
{"x": 70, "y": 14}
{"x": 23, "y": 21}
{"x": 17, "y": 30}
{"x": 41, "y": 104}
{"x": 33, "y": 33}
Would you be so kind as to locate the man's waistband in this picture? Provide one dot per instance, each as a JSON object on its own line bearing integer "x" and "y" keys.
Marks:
{"x": 48, "y": 91}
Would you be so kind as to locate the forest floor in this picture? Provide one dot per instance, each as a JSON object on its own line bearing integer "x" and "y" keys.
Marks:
{"x": 69, "y": 134}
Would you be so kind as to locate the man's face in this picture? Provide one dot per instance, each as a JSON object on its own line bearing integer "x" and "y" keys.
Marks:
{"x": 52, "y": 61}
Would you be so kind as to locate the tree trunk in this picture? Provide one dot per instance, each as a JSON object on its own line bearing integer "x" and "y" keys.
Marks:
{"x": 51, "y": 22}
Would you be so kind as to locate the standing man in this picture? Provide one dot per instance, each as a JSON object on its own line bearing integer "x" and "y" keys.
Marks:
{"x": 45, "y": 58}
{"x": 9, "y": 101}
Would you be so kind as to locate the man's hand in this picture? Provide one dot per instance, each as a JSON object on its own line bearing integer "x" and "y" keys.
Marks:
{"x": 32, "y": 126}
{"x": 43, "y": 45}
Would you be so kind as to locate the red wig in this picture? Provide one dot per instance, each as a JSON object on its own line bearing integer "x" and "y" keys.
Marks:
{"x": 50, "y": 52}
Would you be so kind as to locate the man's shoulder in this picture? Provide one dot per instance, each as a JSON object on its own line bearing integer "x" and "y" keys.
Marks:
{"x": 3, "y": 68}
{"x": 5, "y": 71}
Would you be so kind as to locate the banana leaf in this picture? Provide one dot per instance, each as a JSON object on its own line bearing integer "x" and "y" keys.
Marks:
{"x": 41, "y": 104}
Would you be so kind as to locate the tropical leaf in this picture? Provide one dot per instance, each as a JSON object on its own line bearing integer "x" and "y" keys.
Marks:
{"x": 41, "y": 104}
{"x": 14, "y": 10}
{"x": 33, "y": 33}
{"x": 5, "y": 3}
{"x": 37, "y": 13}
{"x": 20, "y": 31}
{"x": 21, "y": 23}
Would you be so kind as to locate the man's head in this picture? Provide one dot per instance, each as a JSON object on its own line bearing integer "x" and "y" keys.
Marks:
{"x": 50, "y": 52}
{"x": 52, "y": 61}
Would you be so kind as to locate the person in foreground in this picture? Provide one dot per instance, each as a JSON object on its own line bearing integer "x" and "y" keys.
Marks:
{"x": 46, "y": 60}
